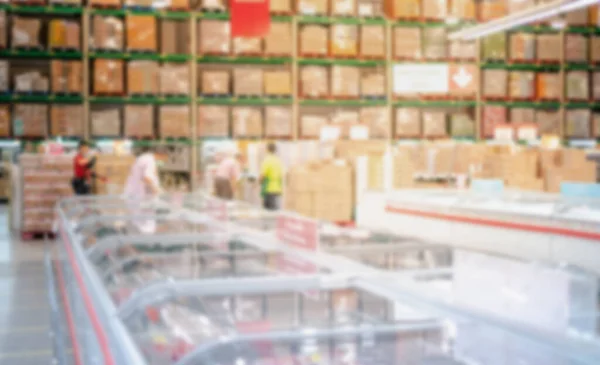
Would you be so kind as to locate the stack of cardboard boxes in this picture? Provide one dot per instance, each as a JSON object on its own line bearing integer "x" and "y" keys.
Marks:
{"x": 114, "y": 167}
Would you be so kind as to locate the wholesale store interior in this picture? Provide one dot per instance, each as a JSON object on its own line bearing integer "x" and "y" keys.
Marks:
{"x": 300, "y": 182}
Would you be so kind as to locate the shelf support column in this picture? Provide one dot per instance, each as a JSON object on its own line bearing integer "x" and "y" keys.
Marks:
{"x": 195, "y": 141}
{"x": 389, "y": 76}
{"x": 295, "y": 78}
{"x": 85, "y": 72}
{"x": 478, "y": 94}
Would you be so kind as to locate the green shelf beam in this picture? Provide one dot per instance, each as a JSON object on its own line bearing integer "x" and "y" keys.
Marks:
{"x": 168, "y": 14}
{"x": 50, "y": 10}
{"x": 33, "y": 98}
{"x": 139, "y": 100}
{"x": 436, "y": 103}
{"x": 526, "y": 104}
{"x": 430, "y": 24}
{"x": 576, "y": 66}
{"x": 316, "y": 19}
{"x": 582, "y": 30}
{"x": 340, "y": 62}
{"x": 226, "y": 16}
{"x": 493, "y": 65}
{"x": 535, "y": 29}
{"x": 39, "y": 53}
{"x": 259, "y": 101}
{"x": 341, "y": 103}
{"x": 236, "y": 60}
{"x": 140, "y": 56}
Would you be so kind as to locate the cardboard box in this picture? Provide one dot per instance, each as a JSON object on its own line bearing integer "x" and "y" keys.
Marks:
{"x": 548, "y": 47}
{"x": 493, "y": 116}
{"x": 247, "y": 81}
{"x": 372, "y": 41}
{"x": 578, "y": 123}
{"x": 139, "y": 121}
{"x": 5, "y": 120}
{"x": 213, "y": 121}
{"x": 463, "y": 9}
{"x": 407, "y": 43}
{"x": 344, "y": 120}
{"x": 522, "y": 47}
{"x": 494, "y": 47}
{"x": 174, "y": 121}
{"x": 463, "y": 80}
{"x": 212, "y": 4}
{"x": 3, "y": 29}
{"x": 378, "y": 121}
{"x": 64, "y": 34}
{"x": 576, "y": 48}
{"x": 174, "y": 37}
{"x": 108, "y": 76}
{"x": 403, "y": 9}
{"x": 313, "y": 40}
{"x": 311, "y": 124}
{"x": 435, "y": 43}
{"x": 548, "y": 121}
{"x": 30, "y": 120}
{"x": 314, "y": 81}
{"x": 492, "y": 9}
{"x": 434, "y": 123}
{"x": 343, "y": 7}
{"x": 595, "y": 48}
{"x": 435, "y": 9}
{"x": 278, "y": 82}
{"x": 313, "y": 7}
{"x": 247, "y": 46}
{"x": 30, "y": 80}
{"x": 463, "y": 50}
{"x": 66, "y": 120}
{"x": 462, "y": 124}
{"x": 548, "y": 85}
{"x": 495, "y": 83}
{"x": 521, "y": 85}
{"x": 280, "y": 7}
{"x": 4, "y": 75}
{"x": 279, "y": 40}
{"x": 117, "y": 167}
{"x": 107, "y": 33}
{"x": 26, "y": 32}
{"x": 408, "y": 122}
{"x": 142, "y": 77}
{"x": 345, "y": 81}
{"x": 175, "y": 79}
{"x": 344, "y": 40}
{"x": 522, "y": 116}
{"x": 578, "y": 17}
{"x": 105, "y": 3}
{"x": 372, "y": 82}
{"x": 66, "y": 76}
{"x": 106, "y": 122}
{"x": 215, "y": 82}
{"x": 141, "y": 33}
{"x": 247, "y": 121}
{"x": 577, "y": 85}
{"x": 214, "y": 37}
{"x": 278, "y": 121}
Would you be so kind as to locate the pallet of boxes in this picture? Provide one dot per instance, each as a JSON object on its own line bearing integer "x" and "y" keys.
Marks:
{"x": 113, "y": 170}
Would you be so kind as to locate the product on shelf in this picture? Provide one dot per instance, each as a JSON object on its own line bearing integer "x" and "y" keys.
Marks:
{"x": 26, "y": 32}
{"x": 278, "y": 121}
{"x": 521, "y": 85}
{"x": 108, "y": 76}
{"x": 215, "y": 82}
{"x": 4, "y": 120}
{"x": 408, "y": 122}
{"x": 548, "y": 121}
{"x": 66, "y": 120}
{"x": 248, "y": 81}
{"x": 278, "y": 82}
{"x": 578, "y": 123}
{"x": 492, "y": 117}
{"x": 345, "y": 81}
{"x": 463, "y": 80}
{"x": 107, "y": 33}
{"x": 66, "y": 77}
{"x": 175, "y": 79}
{"x": 596, "y": 85}
{"x": 139, "y": 121}
{"x": 174, "y": 121}
{"x": 494, "y": 47}
{"x": 247, "y": 46}
{"x": 548, "y": 47}
{"x": 213, "y": 121}
{"x": 64, "y": 34}
{"x": 214, "y": 37}
{"x": 372, "y": 82}
{"x": 343, "y": 7}
{"x": 174, "y": 37}
{"x": 462, "y": 124}
{"x": 548, "y": 85}
{"x": 105, "y": 3}
{"x": 280, "y": 7}
{"x": 116, "y": 167}
{"x": 578, "y": 17}
{"x": 28, "y": 80}
{"x": 3, "y": 29}
{"x": 313, "y": 7}
{"x": 344, "y": 40}
{"x": 30, "y": 120}
{"x": 462, "y": 9}
{"x": 576, "y": 48}
{"x": 247, "y": 121}
{"x": 594, "y": 49}
{"x": 311, "y": 124}
{"x": 515, "y": 6}
{"x": 106, "y": 122}
{"x": 434, "y": 123}
{"x": 492, "y": 9}
{"x": 377, "y": 119}
{"x": 344, "y": 120}
{"x": 522, "y": 47}
{"x": 404, "y": 9}
{"x": 495, "y": 83}
{"x": 313, "y": 40}
{"x": 142, "y": 78}
{"x": 212, "y": 4}
{"x": 314, "y": 81}
{"x": 371, "y": 8}
{"x": 522, "y": 116}
{"x": 435, "y": 9}
{"x": 4, "y": 75}
{"x": 435, "y": 43}
{"x": 279, "y": 40}
{"x": 372, "y": 41}
{"x": 407, "y": 43}
{"x": 141, "y": 33}
{"x": 463, "y": 50}
{"x": 577, "y": 85}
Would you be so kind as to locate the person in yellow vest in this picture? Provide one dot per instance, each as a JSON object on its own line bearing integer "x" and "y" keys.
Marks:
{"x": 271, "y": 175}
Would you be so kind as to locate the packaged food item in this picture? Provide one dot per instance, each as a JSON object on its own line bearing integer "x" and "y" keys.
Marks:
{"x": 64, "y": 34}
{"x": 494, "y": 47}
{"x": 107, "y": 33}
{"x": 278, "y": 82}
{"x": 313, "y": 40}
{"x": 278, "y": 121}
{"x": 462, "y": 9}
{"x": 495, "y": 83}
{"x": 344, "y": 40}
{"x": 247, "y": 46}
{"x": 548, "y": 47}
{"x": 548, "y": 85}
{"x": 405, "y": 9}
{"x": 435, "y": 44}
{"x": 66, "y": 77}
{"x": 247, "y": 121}
{"x": 214, "y": 37}
{"x": 407, "y": 43}
{"x": 311, "y": 124}
{"x": 578, "y": 123}
{"x": 372, "y": 82}
{"x": 577, "y": 85}
{"x": 175, "y": 79}
{"x": 594, "y": 49}
{"x": 4, "y": 76}
{"x": 522, "y": 47}
{"x": 26, "y": 32}
{"x": 408, "y": 122}
{"x": 142, "y": 78}
{"x": 463, "y": 50}
{"x": 372, "y": 41}
{"x": 596, "y": 85}
{"x": 515, "y": 6}
{"x": 576, "y": 49}
{"x": 3, "y": 29}
{"x": 313, "y": 7}
{"x": 521, "y": 85}
{"x": 279, "y": 40}
{"x": 4, "y": 120}
{"x": 106, "y": 122}
{"x": 463, "y": 79}
{"x": 548, "y": 121}
{"x": 578, "y": 17}
{"x": 522, "y": 116}
{"x": 213, "y": 121}
{"x": 345, "y": 81}
{"x": 377, "y": 119}
{"x": 493, "y": 116}
{"x": 343, "y": 7}
{"x": 27, "y": 80}
{"x": 247, "y": 81}
{"x": 141, "y": 33}
{"x": 139, "y": 121}
{"x": 174, "y": 37}
{"x": 491, "y": 9}
{"x": 280, "y": 7}
{"x": 215, "y": 82}
{"x": 314, "y": 81}
{"x": 435, "y": 9}
{"x": 108, "y": 76}
{"x": 174, "y": 121}
{"x": 66, "y": 120}
{"x": 462, "y": 124}
{"x": 434, "y": 123}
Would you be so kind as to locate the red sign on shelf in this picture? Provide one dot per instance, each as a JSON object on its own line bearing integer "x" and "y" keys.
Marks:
{"x": 250, "y": 18}
{"x": 297, "y": 231}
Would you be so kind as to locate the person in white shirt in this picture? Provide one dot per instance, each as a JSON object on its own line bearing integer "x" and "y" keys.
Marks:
{"x": 228, "y": 173}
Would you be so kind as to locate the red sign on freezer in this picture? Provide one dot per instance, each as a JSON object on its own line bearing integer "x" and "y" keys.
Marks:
{"x": 298, "y": 231}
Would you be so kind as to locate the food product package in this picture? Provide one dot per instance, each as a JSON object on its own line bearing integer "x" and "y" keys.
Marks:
{"x": 280, "y": 7}
{"x": 278, "y": 82}
{"x": 548, "y": 47}
{"x": 372, "y": 41}
{"x": 462, "y": 124}
{"x": 576, "y": 48}
{"x": 278, "y": 121}
{"x": 247, "y": 121}
{"x": 175, "y": 79}
{"x": 434, "y": 123}
{"x": 26, "y": 32}
{"x": 515, "y": 6}
{"x": 492, "y": 116}
{"x": 548, "y": 85}
{"x": 142, "y": 77}
{"x": 435, "y": 43}
{"x": 407, "y": 43}
{"x": 372, "y": 82}
{"x": 313, "y": 7}
{"x": 578, "y": 123}
{"x": 107, "y": 33}
{"x": 521, "y": 85}
{"x": 577, "y": 85}
{"x": 174, "y": 121}
{"x": 344, "y": 40}
{"x": 247, "y": 81}
{"x": 174, "y": 37}
{"x": 213, "y": 121}
{"x": 66, "y": 120}
{"x": 311, "y": 124}
{"x": 596, "y": 86}
{"x": 494, "y": 47}
{"x": 215, "y": 82}
{"x": 579, "y": 17}
{"x": 3, "y": 29}
{"x": 66, "y": 77}
{"x": 377, "y": 119}
{"x": 405, "y": 9}
{"x": 27, "y": 80}
{"x": 4, "y": 75}
{"x": 435, "y": 9}
{"x": 522, "y": 116}
{"x": 345, "y": 81}
{"x": 247, "y": 46}
{"x": 279, "y": 40}
{"x": 463, "y": 50}
{"x": 4, "y": 120}
{"x": 214, "y": 37}
{"x": 106, "y": 122}
{"x": 343, "y": 7}
{"x": 108, "y": 76}
{"x": 313, "y": 40}
{"x": 64, "y": 34}
{"x": 314, "y": 81}
{"x": 522, "y": 47}
{"x": 548, "y": 121}
{"x": 139, "y": 121}
{"x": 492, "y": 9}
{"x": 408, "y": 122}
{"x": 30, "y": 120}
{"x": 462, "y": 9}
{"x": 495, "y": 83}
{"x": 141, "y": 33}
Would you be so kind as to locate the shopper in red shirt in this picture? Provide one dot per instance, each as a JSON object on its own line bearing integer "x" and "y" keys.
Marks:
{"x": 82, "y": 165}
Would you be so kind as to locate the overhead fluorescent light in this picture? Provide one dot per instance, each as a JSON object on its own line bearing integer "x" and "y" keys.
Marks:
{"x": 527, "y": 16}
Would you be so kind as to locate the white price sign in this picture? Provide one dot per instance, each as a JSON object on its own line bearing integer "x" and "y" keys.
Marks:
{"x": 359, "y": 132}
{"x": 330, "y": 133}
{"x": 420, "y": 79}
{"x": 504, "y": 133}
{"x": 527, "y": 132}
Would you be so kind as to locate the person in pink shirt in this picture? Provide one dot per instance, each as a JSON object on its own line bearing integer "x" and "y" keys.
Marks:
{"x": 227, "y": 174}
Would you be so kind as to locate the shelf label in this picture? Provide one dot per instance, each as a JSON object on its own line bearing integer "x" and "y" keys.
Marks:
{"x": 359, "y": 132}
{"x": 297, "y": 231}
{"x": 550, "y": 141}
{"x": 527, "y": 132}
{"x": 330, "y": 133}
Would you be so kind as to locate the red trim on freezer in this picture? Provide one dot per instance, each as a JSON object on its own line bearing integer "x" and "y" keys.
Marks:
{"x": 68, "y": 315}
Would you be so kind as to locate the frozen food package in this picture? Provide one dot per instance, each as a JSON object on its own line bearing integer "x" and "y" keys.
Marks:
{"x": 596, "y": 86}
{"x": 344, "y": 40}
{"x": 66, "y": 120}
{"x": 577, "y": 85}
{"x": 408, "y": 122}
{"x": 343, "y": 7}
{"x": 107, "y": 33}
{"x": 247, "y": 81}
{"x": 462, "y": 9}
{"x": 576, "y": 48}
{"x": 313, "y": 7}
{"x": 548, "y": 47}
{"x": 106, "y": 122}
{"x": 494, "y": 47}
{"x": 435, "y": 9}
{"x": 4, "y": 120}
{"x": 434, "y": 123}
{"x": 548, "y": 85}
{"x": 213, "y": 121}
{"x": 491, "y": 9}
{"x": 522, "y": 47}
{"x": 108, "y": 76}
{"x": 3, "y": 29}
{"x": 495, "y": 83}
{"x": 139, "y": 121}
{"x": 142, "y": 78}
{"x": 278, "y": 82}
{"x": 463, "y": 50}
{"x": 515, "y": 6}
{"x": 141, "y": 33}
{"x": 175, "y": 79}
{"x": 311, "y": 124}
{"x": 372, "y": 41}
{"x": 407, "y": 43}
{"x": 522, "y": 116}
{"x": 278, "y": 121}
{"x": 26, "y": 32}
{"x": 492, "y": 116}
{"x": 64, "y": 34}
{"x": 521, "y": 85}
{"x": 279, "y": 40}
{"x": 314, "y": 81}
{"x": 578, "y": 17}
{"x": 30, "y": 120}
{"x": 212, "y": 4}
{"x": 345, "y": 81}
{"x": 174, "y": 37}
{"x": 578, "y": 123}
{"x": 595, "y": 49}
{"x": 174, "y": 121}
{"x": 405, "y": 9}
{"x": 435, "y": 44}
{"x": 548, "y": 121}
{"x": 247, "y": 46}
{"x": 462, "y": 124}
{"x": 4, "y": 75}
{"x": 214, "y": 37}
{"x": 247, "y": 121}
{"x": 313, "y": 40}
{"x": 372, "y": 82}
{"x": 215, "y": 82}
{"x": 280, "y": 7}
{"x": 377, "y": 119}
